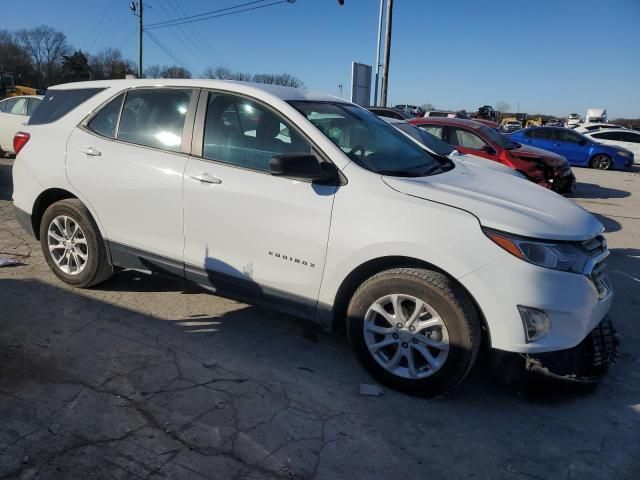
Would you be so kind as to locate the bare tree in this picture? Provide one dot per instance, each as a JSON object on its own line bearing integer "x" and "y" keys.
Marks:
{"x": 14, "y": 58}
{"x": 153, "y": 71}
{"x": 427, "y": 107}
{"x": 109, "y": 64}
{"x": 46, "y": 47}
{"x": 174, "y": 71}
{"x": 222, "y": 73}
{"x": 502, "y": 106}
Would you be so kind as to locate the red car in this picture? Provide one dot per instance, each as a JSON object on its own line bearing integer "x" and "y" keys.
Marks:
{"x": 477, "y": 138}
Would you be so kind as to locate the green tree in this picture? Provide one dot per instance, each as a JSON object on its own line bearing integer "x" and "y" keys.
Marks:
{"x": 75, "y": 67}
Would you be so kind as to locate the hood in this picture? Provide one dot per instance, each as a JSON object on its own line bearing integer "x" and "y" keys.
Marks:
{"x": 503, "y": 202}
{"x": 527, "y": 152}
{"x": 473, "y": 161}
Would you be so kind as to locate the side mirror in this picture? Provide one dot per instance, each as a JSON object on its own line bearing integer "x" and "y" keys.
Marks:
{"x": 303, "y": 166}
{"x": 489, "y": 149}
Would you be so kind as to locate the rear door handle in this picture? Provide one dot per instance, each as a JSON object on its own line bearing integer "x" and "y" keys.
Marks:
{"x": 206, "y": 178}
{"x": 90, "y": 151}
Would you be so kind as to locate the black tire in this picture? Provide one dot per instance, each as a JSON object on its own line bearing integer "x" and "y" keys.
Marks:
{"x": 454, "y": 308}
{"x": 601, "y": 161}
{"x": 97, "y": 269}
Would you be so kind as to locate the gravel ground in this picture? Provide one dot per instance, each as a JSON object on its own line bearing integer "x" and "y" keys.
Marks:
{"x": 147, "y": 377}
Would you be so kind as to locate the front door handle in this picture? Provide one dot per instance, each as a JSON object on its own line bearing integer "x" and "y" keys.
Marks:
{"x": 206, "y": 178}
{"x": 90, "y": 151}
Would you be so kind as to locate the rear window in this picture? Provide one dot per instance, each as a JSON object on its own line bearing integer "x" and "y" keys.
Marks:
{"x": 57, "y": 103}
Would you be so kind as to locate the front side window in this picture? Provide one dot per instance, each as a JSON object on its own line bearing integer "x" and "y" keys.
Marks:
{"x": 631, "y": 137}
{"x": 464, "y": 138}
{"x": 244, "y": 133}
{"x": 106, "y": 120}
{"x": 367, "y": 140}
{"x": 432, "y": 142}
{"x": 57, "y": 103}
{"x": 33, "y": 104}
{"x": 435, "y": 130}
{"x": 154, "y": 117}
{"x": 539, "y": 133}
{"x": 567, "y": 136}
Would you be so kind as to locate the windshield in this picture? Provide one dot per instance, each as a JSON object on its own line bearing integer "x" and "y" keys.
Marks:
{"x": 431, "y": 141}
{"x": 368, "y": 140}
{"x": 499, "y": 139}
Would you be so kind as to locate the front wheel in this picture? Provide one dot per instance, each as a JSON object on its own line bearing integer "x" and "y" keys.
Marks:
{"x": 601, "y": 162}
{"x": 414, "y": 330}
{"x": 72, "y": 244}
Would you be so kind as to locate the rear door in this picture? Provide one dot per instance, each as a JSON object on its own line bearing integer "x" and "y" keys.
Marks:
{"x": 127, "y": 162}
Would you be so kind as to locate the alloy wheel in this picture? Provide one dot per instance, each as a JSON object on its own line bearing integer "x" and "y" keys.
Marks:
{"x": 406, "y": 336}
{"x": 67, "y": 245}
{"x": 602, "y": 162}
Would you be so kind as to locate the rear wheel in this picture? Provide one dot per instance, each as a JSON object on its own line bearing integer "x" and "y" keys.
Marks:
{"x": 601, "y": 162}
{"x": 414, "y": 330}
{"x": 72, "y": 244}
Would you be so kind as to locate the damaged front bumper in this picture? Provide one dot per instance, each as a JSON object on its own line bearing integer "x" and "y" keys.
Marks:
{"x": 585, "y": 363}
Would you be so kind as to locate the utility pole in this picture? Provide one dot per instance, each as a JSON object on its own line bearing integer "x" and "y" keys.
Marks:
{"x": 387, "y": 54}
{"x": 137, "y": 7}
{"x": 375, "y": 89}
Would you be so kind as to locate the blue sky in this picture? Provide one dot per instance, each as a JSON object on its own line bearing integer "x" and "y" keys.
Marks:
{"x": 550, "y": 56}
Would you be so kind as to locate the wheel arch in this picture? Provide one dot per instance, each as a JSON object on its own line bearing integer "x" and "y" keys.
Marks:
{"x": 376, "y": 265}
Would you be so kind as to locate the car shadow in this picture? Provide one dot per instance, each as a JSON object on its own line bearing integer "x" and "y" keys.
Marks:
{"x": 610, "y": 224}
{"x": 157, "y": 364}
{"x": 593, "y": 191}
{"x": 6, "y": 183}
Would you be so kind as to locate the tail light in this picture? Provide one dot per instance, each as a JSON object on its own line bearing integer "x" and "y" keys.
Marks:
{"x": 20, "y": 140}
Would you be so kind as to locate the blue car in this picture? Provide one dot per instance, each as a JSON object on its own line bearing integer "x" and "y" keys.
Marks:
{"x": 579, "y": 150}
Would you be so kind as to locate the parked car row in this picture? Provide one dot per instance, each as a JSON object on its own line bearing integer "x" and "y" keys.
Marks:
{"x": 14, "y": 113}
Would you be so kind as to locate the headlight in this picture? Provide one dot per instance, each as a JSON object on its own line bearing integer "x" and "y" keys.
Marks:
{"x": 623, "y": 153}
{"x": 556, "y": 255}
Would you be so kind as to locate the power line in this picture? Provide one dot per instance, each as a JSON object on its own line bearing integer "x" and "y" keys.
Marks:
{"x": 207, "y": 13}
{"x": 167, "y": 50}
{"x": 197, "y": 34}
{"x": 188, "y": 34}
{"x": 217, "y": 16}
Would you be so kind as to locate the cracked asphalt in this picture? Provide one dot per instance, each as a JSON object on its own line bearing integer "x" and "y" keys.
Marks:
{"x": 148, "y": 377}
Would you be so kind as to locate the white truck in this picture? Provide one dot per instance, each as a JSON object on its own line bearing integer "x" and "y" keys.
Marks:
{"x": 596, "y": 115}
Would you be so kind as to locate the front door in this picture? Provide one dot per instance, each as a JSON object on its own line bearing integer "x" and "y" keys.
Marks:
{"x": 571, "y": 145}
{"x": 128, "y": 167}
{"x": 248, "y": 233}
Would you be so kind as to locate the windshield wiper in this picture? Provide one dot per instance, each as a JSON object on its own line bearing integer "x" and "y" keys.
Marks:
{"x": 432, "y": 169}
{"x": 398, "y": 173}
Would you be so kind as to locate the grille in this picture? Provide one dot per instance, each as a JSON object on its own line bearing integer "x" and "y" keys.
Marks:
{"x": 595, "y": 246}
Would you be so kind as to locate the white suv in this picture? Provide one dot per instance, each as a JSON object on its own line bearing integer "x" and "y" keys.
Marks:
{"x": 315, "y": 206}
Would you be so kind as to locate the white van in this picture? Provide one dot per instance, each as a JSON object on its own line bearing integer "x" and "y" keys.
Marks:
{"x": 317, "y": 207}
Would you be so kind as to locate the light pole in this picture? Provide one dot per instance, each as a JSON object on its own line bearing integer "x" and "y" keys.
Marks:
{"x": 387, "y": 54}
{"x": 138, "y": 8}
{"x": 375, "y": 89}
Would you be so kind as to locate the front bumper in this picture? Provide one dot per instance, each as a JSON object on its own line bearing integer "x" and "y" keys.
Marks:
{"x": 586, "y": 363}
{"x": 572, "y": 302}
{"x": 564, "y": 183}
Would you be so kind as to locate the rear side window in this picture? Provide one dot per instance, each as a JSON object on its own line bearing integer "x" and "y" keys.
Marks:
{"x": 105, "y": 122}
{"x": 57, "y": 103}
{"x": 33, "y": 104}
{"x": 154, "y": 117}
